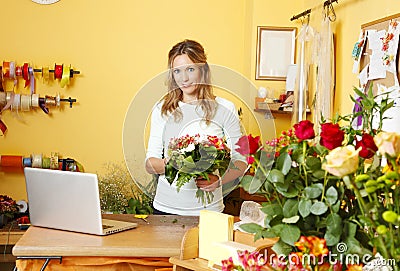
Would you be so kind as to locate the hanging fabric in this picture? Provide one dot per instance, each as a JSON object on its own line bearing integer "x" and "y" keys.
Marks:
{"x": 305, "y": 38}
{"x": 325, "y": 77}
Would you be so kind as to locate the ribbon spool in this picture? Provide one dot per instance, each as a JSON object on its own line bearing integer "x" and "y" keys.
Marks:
{"x": 25, "y": 102}
{"x": 58, "y": 71}
{"x": 45, "y": 74}
{"x": 27, "y": 162}
{"x": 22, "y": 206}
{"x": 36, "y": 160}
{"x": 46, "y": 162}
{"x": 54, "y": 160}
{"x": 18, "y": 71}
{"x": 3, "y": 100}
{"x": 12, "y": 70}
{"x": 16, "y": 102}
{"x": 11, "y": 161}
{"x": 35, "y": 100}
{"x": 6, "y": 69}
{"x": 65, "y": 76}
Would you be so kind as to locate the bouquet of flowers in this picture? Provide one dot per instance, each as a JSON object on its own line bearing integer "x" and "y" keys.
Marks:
{"x": 191, "y": 157}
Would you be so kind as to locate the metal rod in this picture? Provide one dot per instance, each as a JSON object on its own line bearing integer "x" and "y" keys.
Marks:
{"x": 308, "y": 11}
{"x": 328, "y": 2}
{"x": 304, "y": 13}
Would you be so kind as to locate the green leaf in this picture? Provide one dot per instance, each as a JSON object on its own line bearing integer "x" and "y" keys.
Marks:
{"x": 255, "y": 185}
{"x": 291, "y": 220}
{"x": 331, "y": 195}
{"x": 305, "y": 207}
{"x": 336, "y": 207}
{"x": 290, "y": 208}
{"x": 290, "y": 234}
{"x": 313, "y": 163}
{"x": 334, "y": 223}
{"x": 313, "y": 191}
{"x": 276, "y": 176}
{"x": 251, "y": 227}
{"x": 319, "y": 208}
{"x": 246, "y": 182}
{"x": 331, "y": 238}
{"x": 280, "y": 248}
{"x": 319, "y": 174}
{"x": 272, "y": 209}
{"x": 291, "y": 192}
{"x": 284, "y": 163}
{"x": 298, "y": 155}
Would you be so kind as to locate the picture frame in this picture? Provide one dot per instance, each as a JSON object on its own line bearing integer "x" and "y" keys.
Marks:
{"x": 276, "y": 47}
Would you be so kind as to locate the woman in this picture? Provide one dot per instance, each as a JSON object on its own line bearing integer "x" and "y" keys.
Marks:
{"x": 190, "y": 107}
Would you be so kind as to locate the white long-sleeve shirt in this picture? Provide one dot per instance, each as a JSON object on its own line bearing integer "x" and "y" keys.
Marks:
{"x": 224, "y": 124}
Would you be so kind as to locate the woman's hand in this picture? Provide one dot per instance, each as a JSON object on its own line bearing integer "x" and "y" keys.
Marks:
{"x": 208, "y": 185}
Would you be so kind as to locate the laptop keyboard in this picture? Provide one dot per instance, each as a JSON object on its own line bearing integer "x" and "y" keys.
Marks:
{"x": 106, "y": 226}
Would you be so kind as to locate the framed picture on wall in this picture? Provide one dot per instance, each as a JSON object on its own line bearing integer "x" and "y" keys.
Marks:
{"x": 276, "y": 47}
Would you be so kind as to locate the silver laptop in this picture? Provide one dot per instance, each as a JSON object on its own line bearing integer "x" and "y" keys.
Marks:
{"x": 69, "y": 201}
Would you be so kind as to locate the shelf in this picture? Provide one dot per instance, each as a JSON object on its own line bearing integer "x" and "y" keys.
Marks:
{"x": 277, "y": 111}
{"x": 273, "y": 111}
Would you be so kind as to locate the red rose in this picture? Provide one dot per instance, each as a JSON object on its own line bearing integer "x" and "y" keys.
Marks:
{"x": 248, "y": 145}
{"x": 304, "y": 130}
{"x": 331, "y": 135}
{"x": 368, "y": 147}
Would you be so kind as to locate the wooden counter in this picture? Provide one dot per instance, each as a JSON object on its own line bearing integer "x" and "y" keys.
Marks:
{"x": 160, "y": 236}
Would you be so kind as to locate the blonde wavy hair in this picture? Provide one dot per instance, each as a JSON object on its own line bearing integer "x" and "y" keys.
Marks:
{"x": 205, "y": 95}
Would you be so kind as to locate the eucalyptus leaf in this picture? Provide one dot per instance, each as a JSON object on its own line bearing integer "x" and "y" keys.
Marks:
{"x": 251, "y": 227}
{"x": 331, "y": 238}
{"x": 291, "y": 192}
{"x": 319, "y": 174}
{"x": 319, "y": 208}
{"x": 312, "y": 192}
{"x": 280, "y": 248}
{"x": 276, "y": 176}
{"x": 334, "y": 224}
{"x": 291, "y": 220}
{"x": 331, "y": 195}
{"x": 290, "y": 208}
{"x": 290, "y": 234}
{"x": 305, "y": 207}
{"x": 272, "y": 209}
{"x": 313, "y": 163}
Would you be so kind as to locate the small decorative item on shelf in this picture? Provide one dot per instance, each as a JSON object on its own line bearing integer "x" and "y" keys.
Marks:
{"x": 8, "y": 208}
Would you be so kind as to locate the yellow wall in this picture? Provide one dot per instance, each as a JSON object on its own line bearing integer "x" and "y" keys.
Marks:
{"x": 120, "y": 45}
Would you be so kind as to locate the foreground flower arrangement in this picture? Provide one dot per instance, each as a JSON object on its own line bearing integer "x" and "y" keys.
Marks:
{"x": 192, "y": 157}
{"x": 330, "y": 185}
